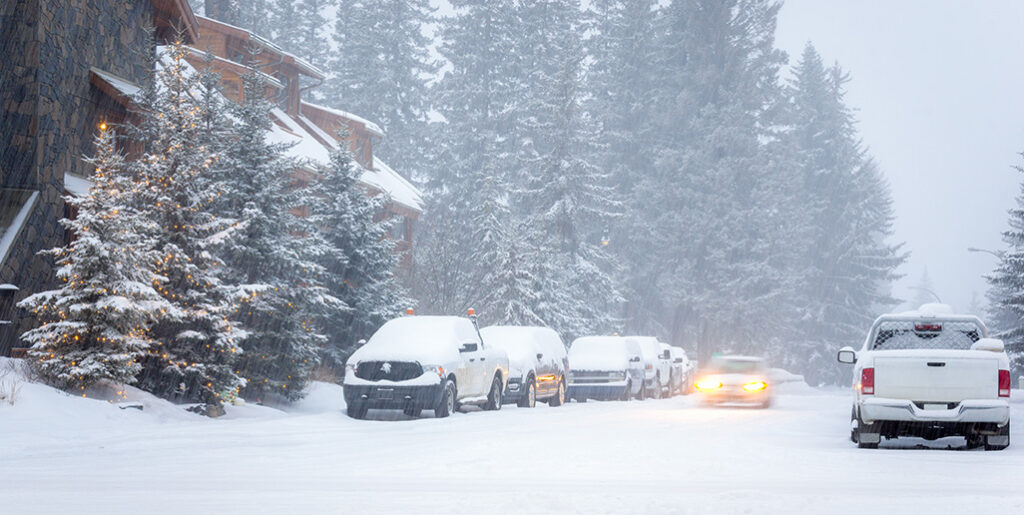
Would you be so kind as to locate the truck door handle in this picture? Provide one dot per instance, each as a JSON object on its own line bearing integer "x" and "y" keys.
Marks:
{"x": 483, "y": 359}
{"x": 472, "y": 359}
{"x": 936, "y": 364}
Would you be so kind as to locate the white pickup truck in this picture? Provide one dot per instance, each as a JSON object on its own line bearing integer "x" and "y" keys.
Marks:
{"x": 930, "y": 374}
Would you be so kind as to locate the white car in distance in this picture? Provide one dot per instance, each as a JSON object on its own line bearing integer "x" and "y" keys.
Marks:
{"x": 930, "y": 374}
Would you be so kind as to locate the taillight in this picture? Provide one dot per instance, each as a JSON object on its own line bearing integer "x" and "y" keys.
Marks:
{"x": 1004, "y": 383}
{"x": 867, "y": 381}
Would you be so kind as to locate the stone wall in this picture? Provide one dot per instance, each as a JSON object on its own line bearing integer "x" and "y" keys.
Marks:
{"x": 48, "y": 113}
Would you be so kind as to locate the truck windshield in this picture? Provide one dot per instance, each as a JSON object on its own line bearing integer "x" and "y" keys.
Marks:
{"x": 938, "y": 334}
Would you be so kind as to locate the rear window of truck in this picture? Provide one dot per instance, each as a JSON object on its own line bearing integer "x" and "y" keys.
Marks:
{"x": 933, "y": 334}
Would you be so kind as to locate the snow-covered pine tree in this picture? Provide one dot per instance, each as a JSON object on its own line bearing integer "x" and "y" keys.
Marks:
{"x": 845, "y": 260}
{"x": 569, "y": 200}
{"x": 478, "y": 140}
{"x": 301, "y": 27}
{"x": 381, "y": 70}
{"x": 270, "y": 258}
{"x": 97, "y": 324}
{"x": 360, "y": 261}
{"x": 195, "y": 352}
{"x": 707, "y": 215}
{"x": 1006, "y": 287}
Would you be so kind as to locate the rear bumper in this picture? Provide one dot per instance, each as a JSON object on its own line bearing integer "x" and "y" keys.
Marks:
{"x": 393, "y": 397}
{"x": 601, "y": 391}
{"x": 983, "y": 411}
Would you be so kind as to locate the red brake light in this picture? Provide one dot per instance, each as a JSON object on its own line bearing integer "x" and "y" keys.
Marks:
{"x": 1004, "y": 383}
{"x": 934, "y": 328}
{"x": 867, "y": 381}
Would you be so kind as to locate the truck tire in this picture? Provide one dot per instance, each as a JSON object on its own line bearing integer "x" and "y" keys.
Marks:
{"x": 529, "y": 399}
{"x": 1003, "y": 439}
{"x": 656, "y": 394}
{"x": 629, "y": 392}
{"x": 494, "y": 396}
{"x": 446, "y": 405}
{"x": 643, "y": 392}
{"x": 357, "y": 411}
{"x": 559, "y": 398}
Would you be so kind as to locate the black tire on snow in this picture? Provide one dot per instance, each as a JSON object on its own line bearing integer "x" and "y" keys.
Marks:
{"x": 529, "y": 399}
{"x": 629, "y": 392}
{"x": 446, "y": 405}
{"x": 559, "y": 398}
{"x": 865, "y": 445}
{"x": 494, "y": 396}
{"x": 643, "y": 392}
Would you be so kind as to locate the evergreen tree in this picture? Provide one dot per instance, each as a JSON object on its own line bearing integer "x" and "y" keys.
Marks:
{"x": 97, "y": 324}
{"x": 1006, "y": 288}
{"x": 194, "y": 356}
{"x": 381, "y": 70}
{"x": 271, "y": 258}
{"x": 360, "y": 261}
{"x": 569, "y": 200}
{"x": 845, "y": 261}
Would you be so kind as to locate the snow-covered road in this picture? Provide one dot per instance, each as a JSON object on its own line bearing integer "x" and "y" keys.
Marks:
{"x": 666, "y": 456}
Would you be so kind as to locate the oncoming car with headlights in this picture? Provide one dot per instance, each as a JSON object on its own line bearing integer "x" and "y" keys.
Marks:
{"x": 735, "y": 380}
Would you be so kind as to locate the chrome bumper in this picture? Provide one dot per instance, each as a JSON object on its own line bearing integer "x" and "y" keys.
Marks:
{"x": 982, "y": 410}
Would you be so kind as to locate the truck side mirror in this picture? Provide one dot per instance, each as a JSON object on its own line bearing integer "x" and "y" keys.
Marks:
{"x": 469, "y": 347}
{"x": 847, "y": 356}
{"x": 666, "y": 355}
{"x": 635, "y": 359}
{"x": 540, "y": 355}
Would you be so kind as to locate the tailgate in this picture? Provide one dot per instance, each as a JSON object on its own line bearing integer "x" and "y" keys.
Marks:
{"x": 945, "y": 377}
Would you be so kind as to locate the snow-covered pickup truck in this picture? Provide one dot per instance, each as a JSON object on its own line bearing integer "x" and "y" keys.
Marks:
{"x": 422, "y": 362}
{"x": 930, "y": 374}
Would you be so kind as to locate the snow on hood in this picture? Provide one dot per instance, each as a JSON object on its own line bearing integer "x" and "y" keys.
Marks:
{"x": 518, "y": 342}
{"x": 424, "y": 339}
{"x": 599, "y": 353}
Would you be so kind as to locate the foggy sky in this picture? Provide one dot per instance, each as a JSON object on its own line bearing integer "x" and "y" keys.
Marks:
{"x": 939, "y": 88}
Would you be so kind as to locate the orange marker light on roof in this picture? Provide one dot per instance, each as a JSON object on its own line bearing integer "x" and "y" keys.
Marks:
{"x": 471, "y": 311}
{"x": 410, "y": 312}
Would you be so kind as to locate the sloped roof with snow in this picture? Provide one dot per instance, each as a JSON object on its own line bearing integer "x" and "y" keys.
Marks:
{"x": 370, "y": 126}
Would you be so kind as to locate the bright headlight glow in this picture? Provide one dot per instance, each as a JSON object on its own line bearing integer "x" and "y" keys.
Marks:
{"x": 708, "y": 385}
{"x": 756, "y": 386}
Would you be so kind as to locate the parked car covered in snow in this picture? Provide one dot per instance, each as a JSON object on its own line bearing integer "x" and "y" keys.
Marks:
{"x": 736, "y": 380}
{"x": 681, "y": 370}
{"x": 657, "y": 365}
{"x": 415, "y": 363}
{"x": 538, "y": 363}
{"x": 605, "y": 368}
{"x": 930, "y": 374}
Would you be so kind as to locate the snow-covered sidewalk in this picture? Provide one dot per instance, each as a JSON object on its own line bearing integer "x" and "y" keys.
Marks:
{"x": 65, "y": 454}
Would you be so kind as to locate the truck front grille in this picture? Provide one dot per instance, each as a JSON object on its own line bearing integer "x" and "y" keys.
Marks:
{"x": 388, "y": 370}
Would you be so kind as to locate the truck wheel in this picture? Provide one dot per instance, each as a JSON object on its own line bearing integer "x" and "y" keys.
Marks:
{"x": 494, "y": 397}
{"x": 413, "y": 411}
{"x": 643, "y": 392}
{"x": 559, "y": 398}
{"x": 629, "y": 392}
{"x": 529, "y": 400}
{"x": 447, "y": 403}
{"x": 656, "y": 394}
{"x": 357, "y": 411}
{"x": 998, "y": 441}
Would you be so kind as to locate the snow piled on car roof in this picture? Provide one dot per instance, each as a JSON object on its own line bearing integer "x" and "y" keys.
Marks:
{"x": 428, "y": 340}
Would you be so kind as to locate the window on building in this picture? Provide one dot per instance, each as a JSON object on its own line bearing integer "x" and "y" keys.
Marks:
{"x": 15, "y": 206}
{"x": 397, "y": 227}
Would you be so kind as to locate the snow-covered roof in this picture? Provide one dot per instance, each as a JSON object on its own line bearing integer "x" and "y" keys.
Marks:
{"x": 123, "y": 86}
{"x": 10, "y": 233}
{"x": 304, "y": 146}
{"x": 77, "y": 186}
{"x": 317, "y": 131}
{"x": 370, "y": 126}
{"x": 270, "y": 80}
{"x": 401, "y": 191}
{"x": 299, "y": 62}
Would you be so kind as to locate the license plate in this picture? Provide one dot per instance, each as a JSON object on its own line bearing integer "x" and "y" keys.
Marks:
{"x": 385, "y": 394}
{"x": 936, "y": 407}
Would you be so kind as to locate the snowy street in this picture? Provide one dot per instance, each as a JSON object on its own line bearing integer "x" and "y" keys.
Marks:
{"x": 656, "y": 456}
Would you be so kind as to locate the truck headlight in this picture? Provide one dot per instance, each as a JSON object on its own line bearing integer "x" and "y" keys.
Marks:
{"x": 434, "y": 369}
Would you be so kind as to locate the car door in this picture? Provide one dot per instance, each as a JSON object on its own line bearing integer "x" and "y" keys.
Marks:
{"x": 469, "y": 372}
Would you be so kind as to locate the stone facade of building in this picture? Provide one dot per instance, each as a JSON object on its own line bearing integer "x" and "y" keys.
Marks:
{"x": 49, "y": 112}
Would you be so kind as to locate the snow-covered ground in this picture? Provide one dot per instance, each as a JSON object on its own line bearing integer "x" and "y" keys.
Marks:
{"x": 61, "y": 454}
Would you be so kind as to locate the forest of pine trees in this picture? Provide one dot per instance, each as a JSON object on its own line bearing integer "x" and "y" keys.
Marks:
{"x": 597, "y": 167}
